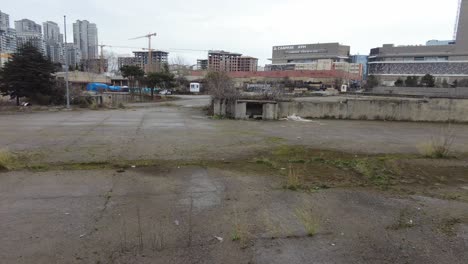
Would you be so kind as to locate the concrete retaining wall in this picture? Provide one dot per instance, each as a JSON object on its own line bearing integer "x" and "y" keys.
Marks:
{"x": 431, "y": 110}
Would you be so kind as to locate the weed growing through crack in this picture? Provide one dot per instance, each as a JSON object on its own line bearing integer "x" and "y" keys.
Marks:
{"x": 294, "y": 181}
{"x": 308, "y": 220}
{"x": 240, "y": 232}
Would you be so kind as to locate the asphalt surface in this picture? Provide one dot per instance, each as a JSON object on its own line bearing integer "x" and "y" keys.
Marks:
{"x": 181, "y": 130}
{"x": 192, "y": 214}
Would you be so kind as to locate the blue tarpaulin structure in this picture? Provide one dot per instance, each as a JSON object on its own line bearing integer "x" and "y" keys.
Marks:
{"x": 94, "y": 87}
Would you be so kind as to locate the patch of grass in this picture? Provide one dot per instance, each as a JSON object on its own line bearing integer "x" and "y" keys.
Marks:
{"x": 274, "y": 140}
{"x": 218, "y": 117}
{"x": 308, "y": 220}
{"x": 448, "y": 226}
{"x": 9, "y": 161}
{"x": 265, "y": 161}
{"x": 39, "y": 167}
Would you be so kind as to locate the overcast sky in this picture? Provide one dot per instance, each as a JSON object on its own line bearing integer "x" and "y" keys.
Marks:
{"x": 247, "y": 26}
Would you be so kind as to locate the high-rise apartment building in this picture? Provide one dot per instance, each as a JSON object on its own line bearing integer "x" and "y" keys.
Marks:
{"x": 73, "y": 55}
{"x": 85, "y": 37}
{"x": 7, "y": 38}
{"x": 53, "y": 41}
{"x": 4, "y": 21}
{"x": 27, "y": 31}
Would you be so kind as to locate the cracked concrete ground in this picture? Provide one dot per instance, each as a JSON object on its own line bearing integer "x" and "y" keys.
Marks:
{"x": 175, "y": 214}
{"x": 183, "y": 132}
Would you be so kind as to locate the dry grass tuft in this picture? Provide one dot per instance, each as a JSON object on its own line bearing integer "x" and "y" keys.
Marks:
{"x": 8, "y": 161}
{"x": 309, "y": 220}
{"x": 440, "y": 145}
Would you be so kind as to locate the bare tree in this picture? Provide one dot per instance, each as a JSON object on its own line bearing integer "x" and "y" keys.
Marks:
{"x": 220, "y": 86}
{"x": 112, "y": 62}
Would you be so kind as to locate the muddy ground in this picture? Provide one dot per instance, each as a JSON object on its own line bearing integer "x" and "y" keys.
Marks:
{"x": 164, "y": 184}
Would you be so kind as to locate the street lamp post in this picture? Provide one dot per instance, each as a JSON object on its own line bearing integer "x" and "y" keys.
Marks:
{"x": 66, "y": 62}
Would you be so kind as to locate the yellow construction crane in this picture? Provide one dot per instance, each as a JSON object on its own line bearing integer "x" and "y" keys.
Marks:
{"x": 150, "y": 53}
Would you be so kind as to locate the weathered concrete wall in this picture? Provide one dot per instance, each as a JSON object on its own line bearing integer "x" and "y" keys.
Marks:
{"x": 422, "y": 91}
{"x": 122, "y": 98}
{"x": 270, "y": 112}
{"x": 241, "y": 111}
{"x": 432, "y": 110}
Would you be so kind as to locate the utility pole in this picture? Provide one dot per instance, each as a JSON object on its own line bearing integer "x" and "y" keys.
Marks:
{"x": 66, "y": 61}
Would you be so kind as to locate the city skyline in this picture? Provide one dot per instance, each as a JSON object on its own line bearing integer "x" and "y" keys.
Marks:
{"x": 253, "y": 34}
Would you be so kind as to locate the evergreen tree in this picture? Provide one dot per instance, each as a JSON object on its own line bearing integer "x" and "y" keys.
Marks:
{"x": 428, "y": 81}
{"x": 28, "y": 75}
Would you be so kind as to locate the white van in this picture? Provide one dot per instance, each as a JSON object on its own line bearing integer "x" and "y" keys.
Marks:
{"x": 195, "y": 87}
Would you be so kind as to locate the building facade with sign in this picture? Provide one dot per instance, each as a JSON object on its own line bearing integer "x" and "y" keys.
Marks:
{"x": 307, "y": 53}
{"x": 446, "y": 60}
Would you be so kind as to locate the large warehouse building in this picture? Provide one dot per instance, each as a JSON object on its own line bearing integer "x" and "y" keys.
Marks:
{"x": 447, "y": 61}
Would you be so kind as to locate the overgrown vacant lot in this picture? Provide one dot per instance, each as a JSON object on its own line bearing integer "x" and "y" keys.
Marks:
{"x": 164, "y": 184}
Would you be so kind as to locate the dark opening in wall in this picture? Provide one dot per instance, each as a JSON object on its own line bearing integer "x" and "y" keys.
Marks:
{"x": 255, "y": 110}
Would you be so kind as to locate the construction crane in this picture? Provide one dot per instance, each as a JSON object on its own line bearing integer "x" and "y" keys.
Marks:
{"x": 150, "y": 53}
{"x": 455, "y": 32}
{"x": 102, "y": 46}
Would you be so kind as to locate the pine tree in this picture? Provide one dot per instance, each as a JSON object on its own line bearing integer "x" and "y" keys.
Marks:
{"x": 27, "y": 75}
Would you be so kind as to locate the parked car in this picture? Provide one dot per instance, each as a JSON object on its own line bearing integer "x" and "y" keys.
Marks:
{"x": 165, "y": 92}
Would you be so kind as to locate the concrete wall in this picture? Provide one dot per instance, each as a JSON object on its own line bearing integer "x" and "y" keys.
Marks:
{"x": 432, "y": 110}
{"x": 122, "y": 98}
{"x": 429, "y": 92}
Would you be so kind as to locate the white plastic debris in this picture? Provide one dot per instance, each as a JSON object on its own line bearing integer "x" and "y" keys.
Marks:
{"x": 294, "y": 117}
{"x": 220, "y": 239}
{"x": 133, "y": 166}
{"x": 176, "y": 222}
{"x": 81, "y": 236}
